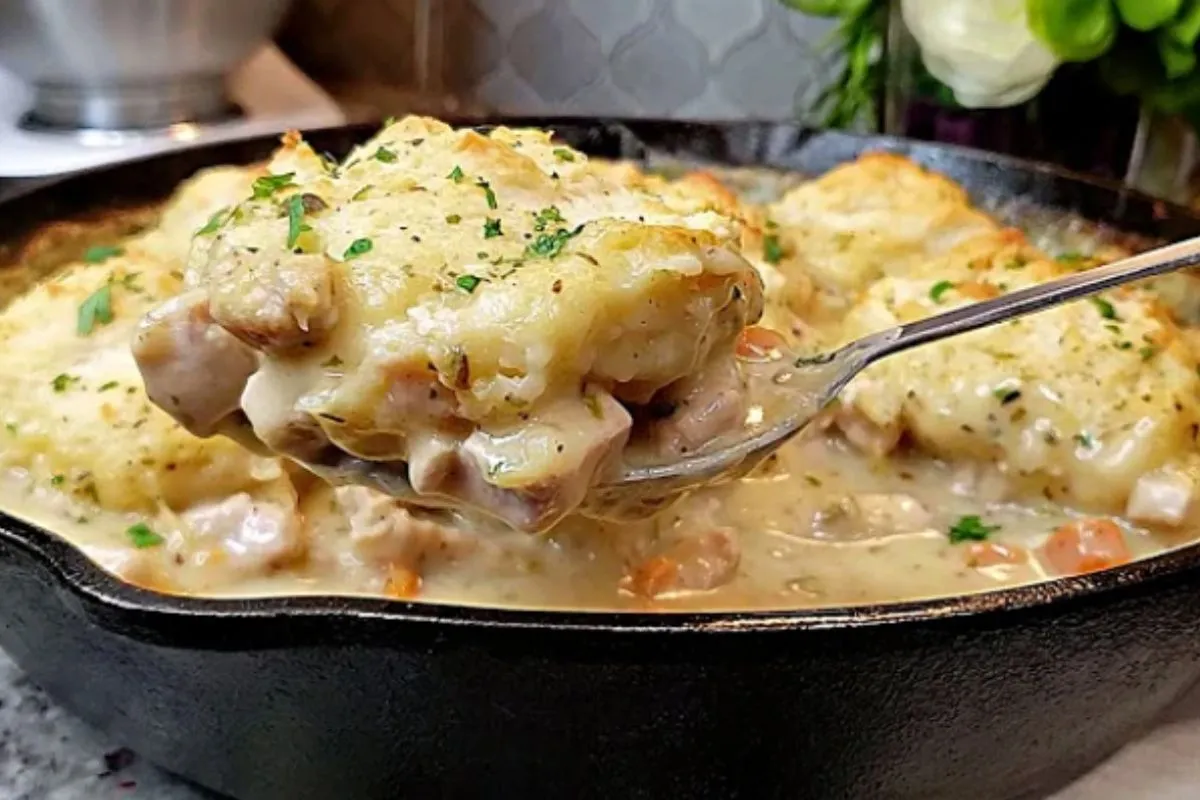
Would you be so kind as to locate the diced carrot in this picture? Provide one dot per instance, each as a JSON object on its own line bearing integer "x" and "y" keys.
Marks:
{"x": 402, "y": 583}
{"x": 757, "y": 343}
{"x": 653, "y": 577}
{"x": 992, "y": 554}
{"x": 1086, "y": 545}
{"x": 977, "y": 290}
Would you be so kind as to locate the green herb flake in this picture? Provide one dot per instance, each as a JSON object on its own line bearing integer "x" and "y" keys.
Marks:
{"x": 491, "y": 228}
{"x": 468, "y": 282}
{"x": 772, "y": 249}
{"x": 97, "y": 308}
{"x": 268, "y": 185}
{"x": 1006, "y": 394}
{"x": 939, "y": 289}
{"x": 1071, "y": 257}
{"x": 1148, "y": 352}
{"x": 58, "y": 480}
{"x": 453, "y": 219}
{"x": 1125, "y": 345}
{"x": 214, "y": 223}
{"x": 62, "y": 381}
{"x": 549, "y": 245}
{"x": 563, "y": 154}
{"x": 970, "y": 529}
{"x": 1084, "y": 439}
{"x": 361, "y": 193}
{"x": 357, "y": 248}
{"x": 101, "y": 253}
{"x": 296, "y": 225}
{"x": 456, "y": 174}
{"x": 1105, "y": 308}
{"x": 11, "y": 427}
{"x": 488, "y": 194}
{"x": 104, "y": 387}
{"x": 385, "y": 155}
{"x": 541, "y": 219}
{"x": 142, "y": 536}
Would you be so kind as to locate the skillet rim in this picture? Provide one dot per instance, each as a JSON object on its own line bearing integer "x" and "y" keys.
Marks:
{"x": 72, "y": 570}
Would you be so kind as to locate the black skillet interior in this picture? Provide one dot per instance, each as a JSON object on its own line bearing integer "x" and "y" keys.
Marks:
{"x": 299, "y": 698}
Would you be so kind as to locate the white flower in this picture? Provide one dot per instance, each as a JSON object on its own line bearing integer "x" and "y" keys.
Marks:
{"x": 982, "y": 49}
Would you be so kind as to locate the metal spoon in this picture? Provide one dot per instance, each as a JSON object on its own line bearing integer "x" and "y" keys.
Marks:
{"x": 816, "y": 382}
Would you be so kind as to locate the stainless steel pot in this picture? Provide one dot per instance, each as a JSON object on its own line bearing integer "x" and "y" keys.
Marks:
{"x": 130, "y": 63}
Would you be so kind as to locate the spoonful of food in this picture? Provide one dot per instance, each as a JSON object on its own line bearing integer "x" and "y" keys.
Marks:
{"x": 808, "y": 385}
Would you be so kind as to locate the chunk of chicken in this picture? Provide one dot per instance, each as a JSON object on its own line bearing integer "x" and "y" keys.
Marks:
{"x": 191, "y": 366}
{"x": 388, "y": 535}
{"x": 254, "y": 535}
{"x": 699, "y": 409}
{"x": 693, "y": 564}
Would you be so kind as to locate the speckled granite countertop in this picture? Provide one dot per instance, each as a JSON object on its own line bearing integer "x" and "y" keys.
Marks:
{"x": 45, "y": 754}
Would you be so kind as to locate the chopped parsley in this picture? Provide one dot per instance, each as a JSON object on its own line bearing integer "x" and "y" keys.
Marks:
{"x": 1105, "y": 308}
{"x": 468, "y": 283}
{"x": 939, "y": 289}
{"x": 563, "y": 154}
{"x": 142, "y": 536}
{"x": 58, "y": 480}
{"x": 456, "y": 174}
{"x": 268, "y": 185}
{"x": 1085, "y": 439}
{"x": 361, "y": 193}
{"x": 385, "y": 155}
{"x": 1148, "y": 352}
{"x": 1006, "y": 394}
{"x": 357, "y": 248}
{"x": 549, "y": 245}
{"x": 1071, "y": 257}
{"x": 62, "y": 381}
{"x": 97, "y": 308}
{"x": 547, "y": 215}
{"x": 214, "y": 222}
{"x": 491, "y": 228}
{"x": 104, "y": 387}
{"x": 772, "y": 249}
{"x": 11, "y": 427}
{"x": 296, "y": 225}
{"x": 101, "y": 253}
{"x": 453, "y": 219}
{"x": 488, "y": 194}
{"x": 970, "y": 529}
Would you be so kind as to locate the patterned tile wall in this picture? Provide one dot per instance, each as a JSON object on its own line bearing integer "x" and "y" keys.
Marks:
{"x": 714, "y": 59}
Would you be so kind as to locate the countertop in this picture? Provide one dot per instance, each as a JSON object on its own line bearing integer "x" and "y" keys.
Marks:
{"x": 45, "y": 754}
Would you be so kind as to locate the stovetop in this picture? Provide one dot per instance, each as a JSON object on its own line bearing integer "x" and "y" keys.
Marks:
{"x": 270, "y": 92}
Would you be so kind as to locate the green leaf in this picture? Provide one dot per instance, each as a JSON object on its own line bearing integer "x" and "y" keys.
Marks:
{"x": 549, "y": 245}
{"x": 970, "y": 529}
{"x": 1185, "y": 29}
{"x": 468, "y": 283}
{"x": 488, "y": 194}
{"x": 142, "y": 536}
{"x": 1106, "y": 309}
{"x": 772, "y": 249}
{"x": 1177, "y": 59}
{"x": 1074, "y": 30}
{"x": 563, "y": 154}
{"x": 939, "y": 289}
{"x": 1146, "y": 15}
{"x": 214, "y": 223}
{"x": 268, "y": 185}
{"x": 296, "y": 224}
{"x": 96, "y": 308}
{"x": 357, "y": 248}
{"x": 385, "y": 155}
{"x": 491, "y": 228}
{"x": 101, "y": 253}
{"x": 456, "y": 174}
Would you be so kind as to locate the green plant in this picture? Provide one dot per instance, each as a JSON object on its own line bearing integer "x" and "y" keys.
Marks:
{"x": 854, "y": 95}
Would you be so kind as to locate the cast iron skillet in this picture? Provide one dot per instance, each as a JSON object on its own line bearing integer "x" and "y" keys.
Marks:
{"x": 322, "y": 698}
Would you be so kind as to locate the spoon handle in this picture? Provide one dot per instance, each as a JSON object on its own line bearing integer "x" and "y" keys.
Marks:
{"x": 1032, "y": 299}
